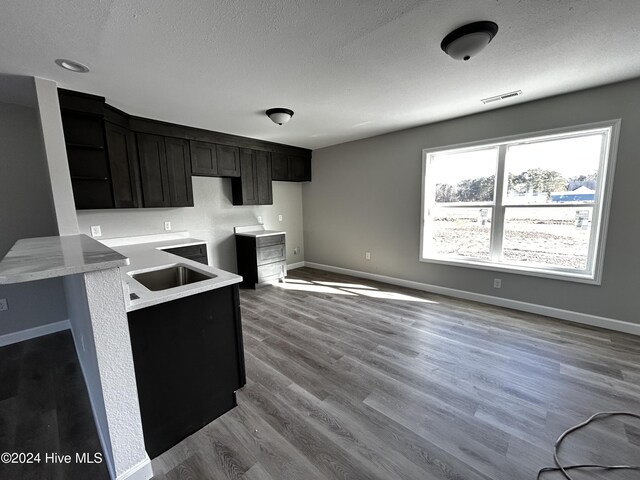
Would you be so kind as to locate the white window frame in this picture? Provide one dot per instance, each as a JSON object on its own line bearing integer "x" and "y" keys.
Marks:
{"x": 601, "y": 205}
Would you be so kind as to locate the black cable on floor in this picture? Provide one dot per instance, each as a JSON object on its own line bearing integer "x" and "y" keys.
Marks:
{"x": 560, "y": 468}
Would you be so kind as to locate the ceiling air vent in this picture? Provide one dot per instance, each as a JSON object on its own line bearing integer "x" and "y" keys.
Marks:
{"x": 501, "y": 97}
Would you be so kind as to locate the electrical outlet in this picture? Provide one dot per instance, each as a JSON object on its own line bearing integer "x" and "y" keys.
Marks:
{"x": 279, "y": 218}
{"x": 497, "y": 283}
{"x": 367, "y": 255}
{"x": 167, "y": 226}
{"x": 96, "y": 231}
{"x": 259, "y": 219}
{"x": 296, "y": 250}
{"x": 4, "y": 306}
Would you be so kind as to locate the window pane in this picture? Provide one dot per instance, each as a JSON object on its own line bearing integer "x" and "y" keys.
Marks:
{"x": 554, "y": 171}
{"x": 556, "y": 237}
{"x": 464, "y": 177}
{"x": 462, "y": 232}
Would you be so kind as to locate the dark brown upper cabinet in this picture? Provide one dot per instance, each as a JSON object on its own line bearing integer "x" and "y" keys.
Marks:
{"x": 165, "y": 171}
{"x": 204, "y": 159}
{"x": 228, "y": 161}
{"x": 263, "y": 177}
{"x": 254, "y": 185}
{"x": 179, "y": 172}
{"x": 290, "y": 168}
{"x": 153, "y": 170}
{"x": 117, "y": 160}
{"x": 84, "y": 136}
{"x": 123, "y": 160}
{"x": 101, "y": 151}
{"x": 210, "y": 160}
{"x": 299, "y": 169}
{"x": 280, "y": 167}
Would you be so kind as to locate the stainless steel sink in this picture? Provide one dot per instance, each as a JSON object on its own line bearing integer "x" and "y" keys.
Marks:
{"x": 170, "y": 277}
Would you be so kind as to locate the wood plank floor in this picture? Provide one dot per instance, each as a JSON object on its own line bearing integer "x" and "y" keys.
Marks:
{"x": 353, "y": 379}
{"x": 44, "y": 408}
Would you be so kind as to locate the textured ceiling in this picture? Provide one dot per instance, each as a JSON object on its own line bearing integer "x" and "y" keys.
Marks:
{"x": 349, "y": 68}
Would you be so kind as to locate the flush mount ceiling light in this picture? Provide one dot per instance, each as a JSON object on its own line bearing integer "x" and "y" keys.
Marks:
{"x": 279, "y": 115}
{"x": 71, "y": 65}
{"x": 467, "y": 41}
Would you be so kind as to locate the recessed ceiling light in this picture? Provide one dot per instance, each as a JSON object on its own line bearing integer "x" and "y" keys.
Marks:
{"x": 71, "y": 65}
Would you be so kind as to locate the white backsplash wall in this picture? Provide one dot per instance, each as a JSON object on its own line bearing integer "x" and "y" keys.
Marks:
{"x": 211, "y": 219}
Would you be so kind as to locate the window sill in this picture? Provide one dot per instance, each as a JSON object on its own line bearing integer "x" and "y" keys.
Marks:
{"x": 592, "y": 279}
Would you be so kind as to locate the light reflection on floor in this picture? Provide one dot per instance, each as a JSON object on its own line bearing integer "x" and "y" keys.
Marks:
{"x": 311, "y": 288}
{"x": 349, "y": 285}
{"x": 389, "y": 295}
{"x": 341, "y": 288}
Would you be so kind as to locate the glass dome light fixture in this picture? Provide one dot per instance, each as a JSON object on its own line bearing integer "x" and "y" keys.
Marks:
{"x": 467, "y": 41}
{"x": 279, "y": 115}
{"x": 71, "y": 65}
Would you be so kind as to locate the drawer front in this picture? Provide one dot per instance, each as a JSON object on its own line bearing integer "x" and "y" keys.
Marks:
{"x": 189, "y": 252}
{"x": 269, "y": 240}
{"x": 272, "y": 271}
{"x": 270, "y": 278}
{"x": 271, "y": 254}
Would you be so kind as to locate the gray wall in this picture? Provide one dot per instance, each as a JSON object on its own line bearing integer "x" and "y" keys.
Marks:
{"x": 365, "y": 196}
{"x": 83, "y": 337}
{"x": 26, "y": 211}
{"x": 212, "y": 219}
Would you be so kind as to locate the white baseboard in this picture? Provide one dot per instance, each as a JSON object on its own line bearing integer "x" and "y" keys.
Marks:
{"x": 140, "y": 471}
{"x": 34, "y": 332}
{"x": 577, "y": 317}
{"x": 292, "y": 266}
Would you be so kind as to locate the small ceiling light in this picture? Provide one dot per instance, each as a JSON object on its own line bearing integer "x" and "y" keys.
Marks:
{"x": 71, "y": 65}
{"x": 465, "y": 42}
{"x": 279, "y": 115}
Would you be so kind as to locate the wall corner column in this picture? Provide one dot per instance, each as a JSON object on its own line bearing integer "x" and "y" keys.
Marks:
{"x": 56, "y": 155}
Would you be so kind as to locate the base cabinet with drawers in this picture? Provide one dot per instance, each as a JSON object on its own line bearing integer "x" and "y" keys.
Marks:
{"x": 261, "y": 258}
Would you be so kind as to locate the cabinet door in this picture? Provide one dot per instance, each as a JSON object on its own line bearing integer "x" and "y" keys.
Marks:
{"x": 189, "y": 360}
{"x": 245, "y": 188}
{"x": 179, "y": 172}
{"x": 153, "y": 170}
{"x": 299, "y": 169}
{"x": 123, "y": 160}
{"x": 263, "y": 177}
{"x": 280, "y": 167}
{"x": 204, "y": 159}
{"x": 228, "y": 161}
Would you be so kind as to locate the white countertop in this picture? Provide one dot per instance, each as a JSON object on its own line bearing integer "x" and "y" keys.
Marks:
{"x": 256, "y": 231}
{"x": 49, "y": 257}
{"x": 149, "y": 256}
{"x": 261, "y": 233}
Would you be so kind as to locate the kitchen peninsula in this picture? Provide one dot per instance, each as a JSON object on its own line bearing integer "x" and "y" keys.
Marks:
{"x": 171, "y": 364}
